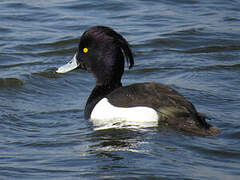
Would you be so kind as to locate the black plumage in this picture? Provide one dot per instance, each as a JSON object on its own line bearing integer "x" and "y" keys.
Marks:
{"x": 107, "y": 50}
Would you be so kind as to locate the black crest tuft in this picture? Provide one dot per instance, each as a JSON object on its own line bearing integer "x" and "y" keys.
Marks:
{"x": 120, "y": 41}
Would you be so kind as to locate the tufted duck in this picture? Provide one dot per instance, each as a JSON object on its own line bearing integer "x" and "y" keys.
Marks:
{"x": 101, "y": 52}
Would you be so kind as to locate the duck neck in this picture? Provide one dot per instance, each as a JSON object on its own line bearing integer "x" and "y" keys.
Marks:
{"x": 99, "y": 92}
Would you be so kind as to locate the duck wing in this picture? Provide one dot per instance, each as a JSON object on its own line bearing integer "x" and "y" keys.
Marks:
{"x": 172, "y": 108}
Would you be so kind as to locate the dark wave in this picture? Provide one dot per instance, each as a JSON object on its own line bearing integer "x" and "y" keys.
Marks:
{"x": 183, "y": 68}
{"x": 48, "y": 74}
{"x": 45, "y": 49}
{"x": 13, "y": 82}
{"x": 58, "y": 52}
{"x": 208, "y": 49}
{"x": 55, "y": 44}
{"x": 21, "y": 64}
{"x": 232, "y": 19}
{"x": 190, "y": 31}
{"x": 10, "y": 82}
{"x": 219, "y": 67}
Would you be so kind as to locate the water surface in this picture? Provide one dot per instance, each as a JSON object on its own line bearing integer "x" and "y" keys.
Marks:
{"x": 191, "y": 45}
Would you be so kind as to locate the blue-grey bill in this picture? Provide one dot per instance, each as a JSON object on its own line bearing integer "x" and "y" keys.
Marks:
{"x": 71, "y": 65}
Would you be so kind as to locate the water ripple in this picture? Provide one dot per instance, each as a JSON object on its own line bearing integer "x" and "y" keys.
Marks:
{"x": 190, "y": 45}
{"x": 209, "y": 49}
{"x": 10, "y": 83}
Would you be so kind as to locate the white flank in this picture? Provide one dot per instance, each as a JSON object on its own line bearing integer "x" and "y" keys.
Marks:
{"x": 105, "y": 115}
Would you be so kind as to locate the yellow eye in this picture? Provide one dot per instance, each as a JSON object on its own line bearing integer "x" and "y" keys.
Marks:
{"x": 85, "y": 50}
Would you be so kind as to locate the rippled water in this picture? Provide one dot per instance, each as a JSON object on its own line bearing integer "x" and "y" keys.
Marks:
{"x": 191, "y": 45}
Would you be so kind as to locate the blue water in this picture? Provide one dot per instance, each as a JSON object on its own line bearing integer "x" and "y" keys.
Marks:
{"x": 191, "y": 45}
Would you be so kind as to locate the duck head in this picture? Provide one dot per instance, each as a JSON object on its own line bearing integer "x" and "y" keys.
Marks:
{"x": 101, "y": 51}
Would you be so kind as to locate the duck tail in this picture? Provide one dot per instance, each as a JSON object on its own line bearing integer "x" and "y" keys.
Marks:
{"x": 213, "y": 130}
{"x": 210, "y": 130}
